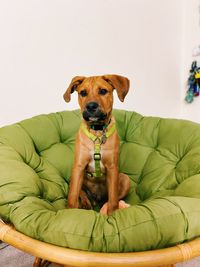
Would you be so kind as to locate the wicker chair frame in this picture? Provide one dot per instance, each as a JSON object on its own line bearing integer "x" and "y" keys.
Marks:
{"x": 46, "y": 253}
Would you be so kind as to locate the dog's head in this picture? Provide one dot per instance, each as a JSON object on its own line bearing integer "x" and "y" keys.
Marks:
{"x": 95, "y": 96}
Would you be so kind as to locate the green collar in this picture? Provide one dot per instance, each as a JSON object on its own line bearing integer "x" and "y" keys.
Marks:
{"x": 98, "y": 141}
{"x": 102, "y": 139}
{"x": 99, "y": 127}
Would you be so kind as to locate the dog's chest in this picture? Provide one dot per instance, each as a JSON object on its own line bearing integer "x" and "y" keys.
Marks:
{"x": 91, "y": 164}
{"x": 98, "y": 149}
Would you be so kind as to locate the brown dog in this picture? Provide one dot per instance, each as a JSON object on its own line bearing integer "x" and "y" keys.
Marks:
{"x": 95, "y": 177}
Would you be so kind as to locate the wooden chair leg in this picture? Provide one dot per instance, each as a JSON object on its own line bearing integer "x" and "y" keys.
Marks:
{"x": 40, "y": 263}
{"x": 37, "y": 262}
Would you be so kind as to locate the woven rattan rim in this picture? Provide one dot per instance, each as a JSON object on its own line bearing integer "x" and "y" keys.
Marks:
{"x": 79, "y": 258}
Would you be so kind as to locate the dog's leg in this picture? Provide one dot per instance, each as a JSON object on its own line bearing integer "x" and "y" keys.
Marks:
{"x": 124, "y": 185}
{"x": 123, "y": 189}
{"x": 76, "y": 182}
{"x": 113, "y": 188}
{"x": 77, "y": 176}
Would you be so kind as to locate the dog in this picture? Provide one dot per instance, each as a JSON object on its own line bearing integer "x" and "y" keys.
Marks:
{"x": 95, "y": 178}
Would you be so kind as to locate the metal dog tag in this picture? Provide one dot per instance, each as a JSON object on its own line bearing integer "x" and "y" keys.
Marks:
{"x": 104, "y": 138}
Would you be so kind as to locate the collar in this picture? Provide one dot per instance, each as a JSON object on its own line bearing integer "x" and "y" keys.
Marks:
{"x": 99, "y": 127}
{"x": 106, "y": 133}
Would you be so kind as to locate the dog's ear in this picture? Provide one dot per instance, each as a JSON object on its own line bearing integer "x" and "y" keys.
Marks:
{"x": 75, "y": 82}
{"x": 120, "y": 83}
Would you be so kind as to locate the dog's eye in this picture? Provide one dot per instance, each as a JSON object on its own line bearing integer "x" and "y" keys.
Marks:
{"x": 83, "y": 93}
{"x": 103, "y": 91}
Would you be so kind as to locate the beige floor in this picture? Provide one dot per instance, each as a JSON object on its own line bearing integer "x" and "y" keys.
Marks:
{"x": 11, "y": 257}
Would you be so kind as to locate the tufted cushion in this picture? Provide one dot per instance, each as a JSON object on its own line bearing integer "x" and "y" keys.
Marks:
{"x": 161, "y": 157}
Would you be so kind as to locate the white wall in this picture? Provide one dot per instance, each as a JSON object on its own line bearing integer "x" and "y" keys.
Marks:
{"x": 191, "y": 39}
{"x": 44, "y": 43}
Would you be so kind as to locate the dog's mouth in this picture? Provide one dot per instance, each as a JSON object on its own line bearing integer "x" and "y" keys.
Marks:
{"x": 95, "y": 118}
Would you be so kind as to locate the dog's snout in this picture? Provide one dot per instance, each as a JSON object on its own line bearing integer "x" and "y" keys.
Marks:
{"x": 92, "y": 106}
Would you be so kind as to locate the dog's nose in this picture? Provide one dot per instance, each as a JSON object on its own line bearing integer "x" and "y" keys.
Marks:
{"x": 92, "y": 106}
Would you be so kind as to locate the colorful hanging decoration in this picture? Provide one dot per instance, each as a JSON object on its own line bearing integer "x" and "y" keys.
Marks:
{"x": 193, "y": 83}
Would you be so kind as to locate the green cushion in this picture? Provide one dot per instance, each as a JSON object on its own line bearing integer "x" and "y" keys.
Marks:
{"x": 161, "y": 157}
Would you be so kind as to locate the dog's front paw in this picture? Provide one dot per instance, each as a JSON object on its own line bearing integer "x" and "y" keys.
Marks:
{"x": 122, "y": 205}
{"x": 72, "y": 205}
{"x": 104, "y": 209}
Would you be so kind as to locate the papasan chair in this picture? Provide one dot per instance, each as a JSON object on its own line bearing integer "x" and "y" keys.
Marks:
{"x": 161, "y": 226}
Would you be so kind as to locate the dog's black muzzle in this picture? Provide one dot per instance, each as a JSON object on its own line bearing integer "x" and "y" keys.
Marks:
{"x": 93, "y": 114}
